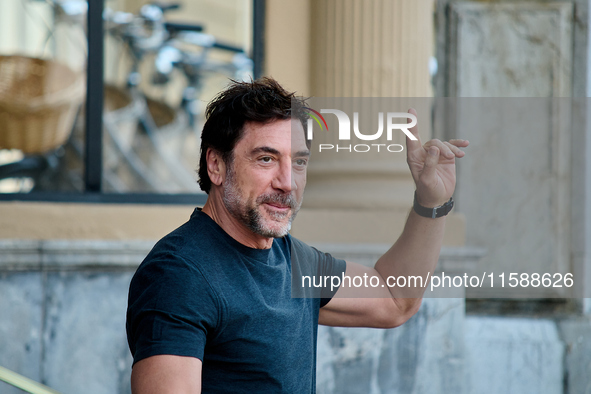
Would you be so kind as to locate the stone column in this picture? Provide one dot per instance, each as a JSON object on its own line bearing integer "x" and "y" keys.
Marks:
{"x": 373, "y": 48}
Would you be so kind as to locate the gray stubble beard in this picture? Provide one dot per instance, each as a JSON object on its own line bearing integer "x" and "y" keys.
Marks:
{"x": 251, "y": 216}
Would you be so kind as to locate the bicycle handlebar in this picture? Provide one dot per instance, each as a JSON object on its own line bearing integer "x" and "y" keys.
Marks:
{"x": 174, "y": 27}
{"x": 207, "y": 41}
{"x": 164, "y": 7}
{"x": 228, "y": 47}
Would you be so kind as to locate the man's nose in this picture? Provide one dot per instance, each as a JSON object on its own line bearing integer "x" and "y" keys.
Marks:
{"x": 284, "y": 180}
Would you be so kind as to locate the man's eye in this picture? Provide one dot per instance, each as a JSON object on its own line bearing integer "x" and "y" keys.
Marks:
{"x": 301, "y": 162}
{"x": 266, "y": 159}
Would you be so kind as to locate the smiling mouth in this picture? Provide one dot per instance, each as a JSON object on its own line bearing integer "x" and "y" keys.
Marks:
{"x": 278, "y": 207}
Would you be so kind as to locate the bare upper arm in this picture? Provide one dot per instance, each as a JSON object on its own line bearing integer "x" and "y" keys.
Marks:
{"x": 166, "y": 374}
{"x": 370, "y": 305}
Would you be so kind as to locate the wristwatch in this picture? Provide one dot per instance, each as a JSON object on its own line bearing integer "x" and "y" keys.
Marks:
{"x": 433, "y": 213}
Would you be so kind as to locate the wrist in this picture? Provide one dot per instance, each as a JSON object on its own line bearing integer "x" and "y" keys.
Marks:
{"x": 432, "y": 211}
{"x": 427, "y": 201}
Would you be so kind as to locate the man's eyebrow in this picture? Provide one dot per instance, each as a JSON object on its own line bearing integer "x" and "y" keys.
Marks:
{"x": 265, "y": 149}
{"x": 274, "y": 151}
{"x": 302, "y": 153}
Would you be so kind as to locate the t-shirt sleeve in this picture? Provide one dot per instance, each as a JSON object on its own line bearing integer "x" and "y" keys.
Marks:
{"x": 171, "y": 309}
{"x": 312, "y": 271}
{"x": 329, "y": 267}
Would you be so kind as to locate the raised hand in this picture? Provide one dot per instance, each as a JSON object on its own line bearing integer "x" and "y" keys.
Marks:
{"x": 433, "y": 167}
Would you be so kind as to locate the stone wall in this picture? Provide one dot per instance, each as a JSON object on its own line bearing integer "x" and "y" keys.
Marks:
{"x": 64, "y": 304}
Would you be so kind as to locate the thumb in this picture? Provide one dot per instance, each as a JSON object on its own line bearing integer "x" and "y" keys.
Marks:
{"x": 431, "y": 162}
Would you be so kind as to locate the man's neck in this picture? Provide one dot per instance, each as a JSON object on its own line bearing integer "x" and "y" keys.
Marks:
{"x": 216, "y": 210}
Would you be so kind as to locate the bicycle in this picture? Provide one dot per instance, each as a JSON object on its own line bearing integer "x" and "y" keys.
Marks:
{"x": 141, "y": 158}
{"x": 148, "y": 33}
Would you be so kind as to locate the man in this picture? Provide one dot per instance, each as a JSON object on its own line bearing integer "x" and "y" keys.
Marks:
{"x": 210, "y": 308}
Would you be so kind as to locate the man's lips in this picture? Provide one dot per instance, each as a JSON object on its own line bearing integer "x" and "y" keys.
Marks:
{"x": 278, "y": 206}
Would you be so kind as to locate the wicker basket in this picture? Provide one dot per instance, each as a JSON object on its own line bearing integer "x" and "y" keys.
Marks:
{"x": 38, "y": 103}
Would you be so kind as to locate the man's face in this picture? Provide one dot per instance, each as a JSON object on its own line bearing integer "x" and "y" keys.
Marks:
{"x": 265, "y": 179}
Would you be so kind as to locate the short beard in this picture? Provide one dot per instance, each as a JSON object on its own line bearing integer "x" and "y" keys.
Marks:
{"x": 251, "y": 216}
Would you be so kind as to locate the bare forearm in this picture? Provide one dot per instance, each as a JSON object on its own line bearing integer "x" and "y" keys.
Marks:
{"x": 415, "y": 253}
{"x": 414, "y": 256}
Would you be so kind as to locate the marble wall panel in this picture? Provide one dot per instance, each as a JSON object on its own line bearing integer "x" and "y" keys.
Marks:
{"x": 21, "y": 325}
{"x": 514, "y": 186}
{"x": 513, "y": 355}
{"x": 425, "y": 355}
{"x": 86, "y": 345}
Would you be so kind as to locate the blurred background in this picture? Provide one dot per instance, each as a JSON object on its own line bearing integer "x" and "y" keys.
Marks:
{"x": 101, "y": 106}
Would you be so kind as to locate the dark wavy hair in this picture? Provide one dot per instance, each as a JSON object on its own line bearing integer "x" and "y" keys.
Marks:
{"x": 261, "y": 101}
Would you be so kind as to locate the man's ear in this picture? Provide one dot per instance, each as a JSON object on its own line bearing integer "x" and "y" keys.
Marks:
{"x": 216, "y": 167}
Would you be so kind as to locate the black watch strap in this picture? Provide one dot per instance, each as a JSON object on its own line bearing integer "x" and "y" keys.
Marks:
{"x": 433, "y": 213}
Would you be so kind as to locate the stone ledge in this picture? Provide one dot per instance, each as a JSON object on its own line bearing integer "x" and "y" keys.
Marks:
{"x": 86, "y": 221}
{"x": 452, "y": 259}
{"x": 23, "y": 255}
{"x": 27, "y": 255}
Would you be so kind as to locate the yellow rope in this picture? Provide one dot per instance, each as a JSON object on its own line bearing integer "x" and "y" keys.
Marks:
{"x": 23, "y": 383}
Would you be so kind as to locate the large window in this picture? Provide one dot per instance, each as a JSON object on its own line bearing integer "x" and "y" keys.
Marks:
{"x": 104, "y": 100}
